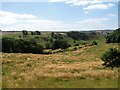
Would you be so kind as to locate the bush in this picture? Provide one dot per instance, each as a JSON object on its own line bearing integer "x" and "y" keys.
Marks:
{"x": 60, "y": 44}
{"x": 47, "y": 52}
{"x": 64, "y": 45}
{"x": 111, "y": 58}
{"x": 76, "y": 44}
{"x": 75, "y": 48}
{"x": 48, "y": 46}
{"x": 94, "y": 43}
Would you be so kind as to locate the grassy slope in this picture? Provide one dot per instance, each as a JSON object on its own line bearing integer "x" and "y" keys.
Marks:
{"x": 72, "y": 69}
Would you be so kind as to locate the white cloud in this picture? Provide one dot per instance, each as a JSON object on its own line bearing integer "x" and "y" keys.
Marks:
{"x": 111, "y": 5}
{"x": 99, "y": 6}
{"x": 38, "y": 21}
{"x": 10, "y": 14}
{"x": 111, "y": 15}
{"x": 89, "y": 4}
{"x": 78, "y": 2}
{"x": 93, "y": 20}
{"x": 10, "y": 21}
{"x": 83, "y": 2}
{"x": 95, "y": 23}
{"x": 11, "y": 18}
{"x": 13, "y": 21}
{"x": 86, "y": 12}
{"x": 7, "y": 20}
{"x": 58, "y": 0}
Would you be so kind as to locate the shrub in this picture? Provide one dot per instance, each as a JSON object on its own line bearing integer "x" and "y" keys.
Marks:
{"x": 75, "y": 48}
{"x": 64, "y": 45}
{"x": 83, "y": 43}
{"x": 47, "y": 52}
{"x": 76, "y": 44}
{"x": 48, "y": 46}
{"x": 60, "y": 44}
{"x": 94, "y": 43}
{"x": 111, "y": 58}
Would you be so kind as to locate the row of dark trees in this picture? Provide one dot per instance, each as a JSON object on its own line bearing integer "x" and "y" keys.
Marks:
{"x": 24, "y": 32}
{"x": 77, "y": 35}
{"x": 11, "y": 45}
{"x": 56, "y": 35}
{"x": 58, "y": 41}
{"x": 36, "y": 33}
{"x": 82, "y": 35}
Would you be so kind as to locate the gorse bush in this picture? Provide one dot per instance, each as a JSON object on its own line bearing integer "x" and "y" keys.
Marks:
{"x": 111, "y": 58}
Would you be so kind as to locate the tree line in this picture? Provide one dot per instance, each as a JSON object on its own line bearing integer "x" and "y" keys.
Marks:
{"x": 24, "y": 32}
{"x": 82, "y": 35}
{"x": 11, "y": 45}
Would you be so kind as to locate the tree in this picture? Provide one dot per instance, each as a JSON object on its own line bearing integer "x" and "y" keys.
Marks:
{"x": 52, "y": 34}
{"x": 58, "y": 36}
{"x": 47, "y": 46}
{"x": 38, "y": 33}
{"x": 111, "y": 58}
{"x": 56, "y": 44}
{"x": 32, "y": 33}
{"x": 60, "y": 44}
{"x": 7, "y": 45}
{"x": 64, "y": 45}
{"x": 114, "y": 37}
{"x": 25, "y": 32}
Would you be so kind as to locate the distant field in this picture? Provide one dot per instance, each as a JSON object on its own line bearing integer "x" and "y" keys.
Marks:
{"x": 81, "y": 68}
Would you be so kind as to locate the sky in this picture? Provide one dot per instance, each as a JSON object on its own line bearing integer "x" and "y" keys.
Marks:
{"x": 58, "y": 15}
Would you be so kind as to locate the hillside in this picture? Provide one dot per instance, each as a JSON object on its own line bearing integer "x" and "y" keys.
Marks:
{"x": 81, "y": 68}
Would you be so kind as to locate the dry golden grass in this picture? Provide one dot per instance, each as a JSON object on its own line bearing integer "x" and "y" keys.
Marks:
{"x": 84, "y": 63}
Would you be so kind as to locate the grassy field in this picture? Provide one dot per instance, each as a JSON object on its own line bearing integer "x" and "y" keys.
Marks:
{"x": 81, "y": 68}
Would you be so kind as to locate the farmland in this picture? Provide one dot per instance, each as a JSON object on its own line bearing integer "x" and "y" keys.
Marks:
{"x": 79, "y": 68}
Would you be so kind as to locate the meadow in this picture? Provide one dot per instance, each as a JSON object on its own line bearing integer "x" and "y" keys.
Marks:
{"x": 79, "y": 68}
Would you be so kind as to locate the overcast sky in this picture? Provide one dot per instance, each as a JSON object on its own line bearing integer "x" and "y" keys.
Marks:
{"x": 58, "y": 15}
